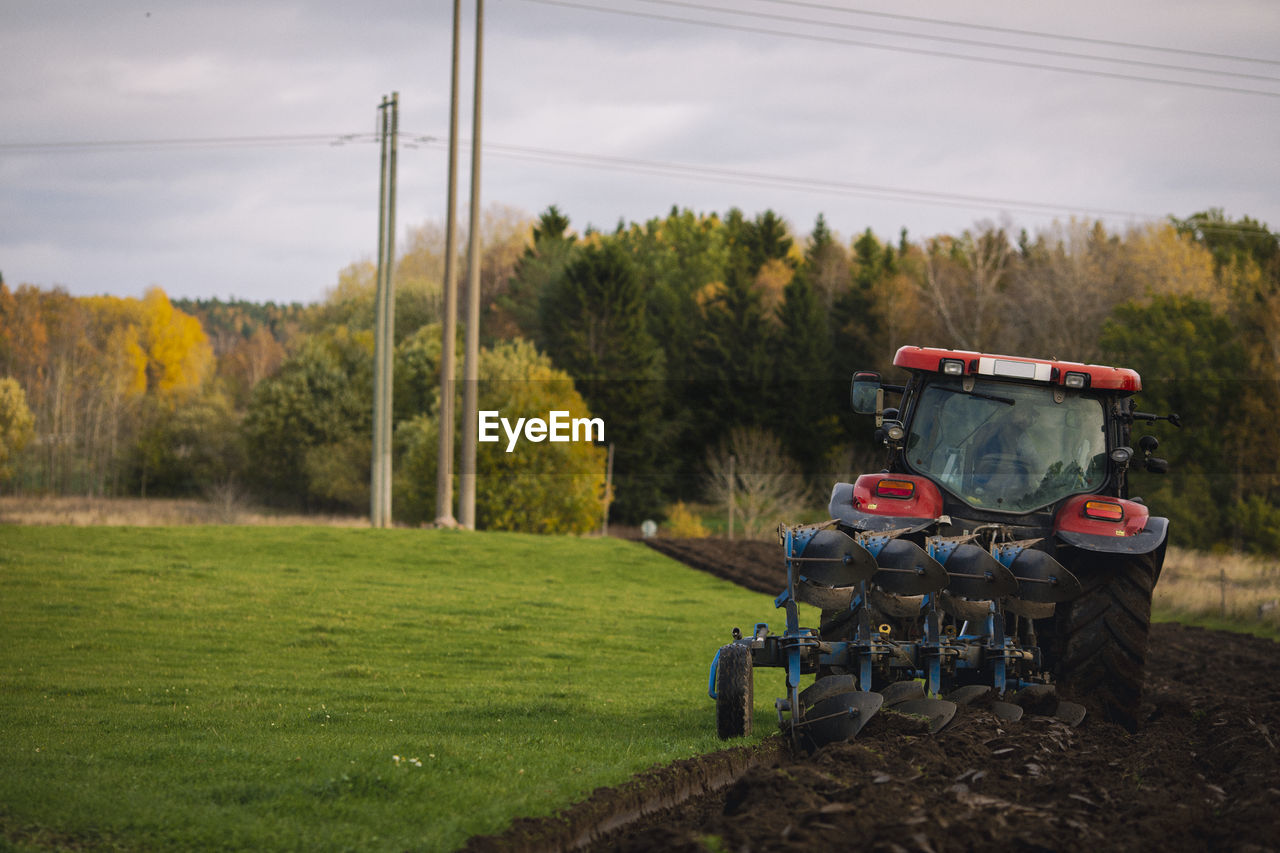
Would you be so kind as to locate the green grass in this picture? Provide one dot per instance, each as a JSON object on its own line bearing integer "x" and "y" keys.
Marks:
{"x": 218, "y": 688}
{"x": 1236, "y": 626}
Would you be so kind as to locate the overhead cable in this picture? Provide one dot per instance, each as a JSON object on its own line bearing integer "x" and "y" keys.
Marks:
{"x": 918, "y": 51}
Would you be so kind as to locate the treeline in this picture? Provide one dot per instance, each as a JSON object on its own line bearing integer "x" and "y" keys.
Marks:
{"x": 694, "y": 336}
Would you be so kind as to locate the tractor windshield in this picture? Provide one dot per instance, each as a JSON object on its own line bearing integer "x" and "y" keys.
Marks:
{"x": 1007, "y": 447}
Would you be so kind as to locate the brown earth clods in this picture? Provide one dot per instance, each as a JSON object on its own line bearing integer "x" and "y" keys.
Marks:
{"x": 1202, "y": 773}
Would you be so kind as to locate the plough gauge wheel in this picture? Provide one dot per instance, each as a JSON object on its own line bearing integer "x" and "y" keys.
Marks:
{"x": 734, "y": 691}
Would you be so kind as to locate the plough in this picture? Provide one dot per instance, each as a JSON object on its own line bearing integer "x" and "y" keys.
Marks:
{"x": 923, "y": 629}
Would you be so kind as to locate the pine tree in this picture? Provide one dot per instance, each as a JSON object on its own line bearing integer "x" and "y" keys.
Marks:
{"x": 541, "y": 264}
{"x": 593, "y": 317}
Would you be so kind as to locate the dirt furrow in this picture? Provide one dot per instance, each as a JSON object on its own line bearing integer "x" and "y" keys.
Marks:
{"x": 1202, "y": 773}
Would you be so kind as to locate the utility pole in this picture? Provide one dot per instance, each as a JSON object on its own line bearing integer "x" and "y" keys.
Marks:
{"x": 608, "y": 491}
{"x": 471, "y": 361}
{"x": 733, "y": 499}
{"x": 448, "y": 369}
{"x": 384, "y": 316}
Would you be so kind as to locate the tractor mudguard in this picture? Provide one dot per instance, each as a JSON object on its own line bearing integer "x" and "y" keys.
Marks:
{"x": 1144, "y": 542}
{"x": 1109, "y": 525}
{"x": 846, "y": 502}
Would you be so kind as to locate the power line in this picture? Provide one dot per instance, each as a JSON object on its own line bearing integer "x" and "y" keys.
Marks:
{"x": 273, "y": 140}
{"x": 1034, "y": 33}
{"x": 793, "y": 182}
{"x": 919, "y": 51}
{"x": 631, "y": 165}
{"x": 1140, "y": 63}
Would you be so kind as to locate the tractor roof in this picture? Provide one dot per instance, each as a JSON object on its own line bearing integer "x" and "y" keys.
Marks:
{"x": 1068, "y": 373}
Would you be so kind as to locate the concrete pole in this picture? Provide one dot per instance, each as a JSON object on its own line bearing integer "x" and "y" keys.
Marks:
{"x": 375, "y": 484}
{"x": 471, "y": 361}
{"x": 384, "y": 319}
{"x": 448, "y": 368}
{"x": 389, "y": 313}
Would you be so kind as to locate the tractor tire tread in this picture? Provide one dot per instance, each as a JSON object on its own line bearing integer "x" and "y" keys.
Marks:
{"x": 1100, "y": 647}
{"x": 734, "y": 691}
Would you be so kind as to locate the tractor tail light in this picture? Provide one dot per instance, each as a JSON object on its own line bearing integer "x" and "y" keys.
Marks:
{"x": 1104, "y": 510}
{"x": 900, "y": 489}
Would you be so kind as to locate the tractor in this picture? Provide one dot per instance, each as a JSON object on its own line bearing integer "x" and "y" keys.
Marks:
{"x": 997, "y": 559}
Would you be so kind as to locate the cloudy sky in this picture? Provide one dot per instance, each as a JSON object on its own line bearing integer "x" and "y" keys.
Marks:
{"x": 226, "y": 149}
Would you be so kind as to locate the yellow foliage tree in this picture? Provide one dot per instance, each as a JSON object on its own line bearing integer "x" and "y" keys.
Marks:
{"x": 179, "y": 357}
{"x": 17, "y": 424}
{"x": 1162, "y": 262}
{"x": 148, "y": 346}
{"x": 538, "y": 487}
{"x": 771, "y": 281}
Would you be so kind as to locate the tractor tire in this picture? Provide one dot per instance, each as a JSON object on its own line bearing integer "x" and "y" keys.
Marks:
{"x": 734, "y": 691}
{"x": 1096, "y": 644}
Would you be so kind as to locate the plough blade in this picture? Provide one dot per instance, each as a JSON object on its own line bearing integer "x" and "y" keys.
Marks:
{"x": 1070, "y": 713}
{"x": 905, "y": 569}
{"x": 1041, "y": 699}
{"x": 908, "y": 697}
{"x": 1041, "y": 578}
{"x": 964, "y": 610}
{"x": 902, "y": 691}
{"x": 972, "y": 571}
{"x": 833, "y": 558}
{"x": 840, "y": 717}
{"x": 1007, "y": 711}
{"x": 824, "y": 597}
{"x": 826, "y": 687}
{"x": 938, "y": 711}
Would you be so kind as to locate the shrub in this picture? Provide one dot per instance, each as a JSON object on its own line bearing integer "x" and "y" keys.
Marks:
{"x": 541, "y": 487}
{"x": 683, "y": 523}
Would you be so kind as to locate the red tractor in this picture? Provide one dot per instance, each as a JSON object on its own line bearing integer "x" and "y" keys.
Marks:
{"x": 999, "y": 554}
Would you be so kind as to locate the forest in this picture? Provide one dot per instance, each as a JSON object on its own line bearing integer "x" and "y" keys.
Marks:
{"x": 696, "y": 337}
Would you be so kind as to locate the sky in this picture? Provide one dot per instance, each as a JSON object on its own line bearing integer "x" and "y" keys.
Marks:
{"x": 227, "y": 149}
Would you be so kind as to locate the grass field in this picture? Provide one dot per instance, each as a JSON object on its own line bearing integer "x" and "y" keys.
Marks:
{"x": 1230, "y": 592}
{"x": 325, "y": 688}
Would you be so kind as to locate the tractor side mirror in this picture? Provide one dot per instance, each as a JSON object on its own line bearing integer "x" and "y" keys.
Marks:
{"x": 866, "y": 393}
{"x": 1148, "y": 444}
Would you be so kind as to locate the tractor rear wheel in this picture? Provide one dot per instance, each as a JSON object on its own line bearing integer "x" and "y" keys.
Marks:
{"x": 1096, "y": 644}
{"x": 734, "y": 691}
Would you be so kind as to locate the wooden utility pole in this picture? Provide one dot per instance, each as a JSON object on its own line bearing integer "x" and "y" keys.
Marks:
{"x": 471, "y": 360}
{"x": 608, "y": 491}
{"x": 380, "y": 485}
{"x": 733, "y": 498}
{"x": 448, "y": 368}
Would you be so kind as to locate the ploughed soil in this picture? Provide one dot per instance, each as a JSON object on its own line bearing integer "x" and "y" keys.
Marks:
{"x": 1202, "y": 772}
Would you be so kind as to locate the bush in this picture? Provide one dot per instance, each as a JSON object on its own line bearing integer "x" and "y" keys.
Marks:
{"x": 683, "y": 523}
{"x": 1259, "y": 526}
{"x": 539, "y": 487}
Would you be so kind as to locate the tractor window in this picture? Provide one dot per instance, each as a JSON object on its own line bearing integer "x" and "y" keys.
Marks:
{"x": 1007, "y": 447}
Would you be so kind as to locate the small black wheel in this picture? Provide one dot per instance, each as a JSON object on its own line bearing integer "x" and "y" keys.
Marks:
{"x": 734, "y": 691}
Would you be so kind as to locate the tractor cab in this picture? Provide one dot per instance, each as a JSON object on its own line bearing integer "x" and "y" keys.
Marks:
{"x": 989, "y": 439}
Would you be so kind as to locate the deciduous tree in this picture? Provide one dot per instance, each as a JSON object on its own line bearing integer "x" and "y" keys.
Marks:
{"x": 17, "y": 424}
